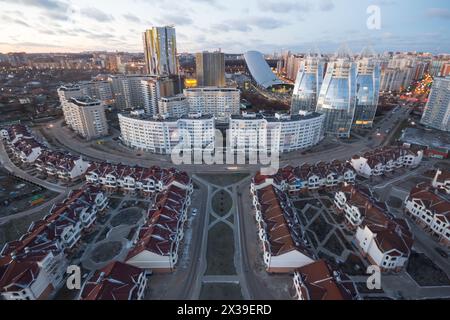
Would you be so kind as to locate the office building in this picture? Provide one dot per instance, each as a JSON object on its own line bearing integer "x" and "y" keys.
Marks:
{"x": 210, "y": 69}
{"x": 160, "y": 50}
{"x": 437, "y": 110}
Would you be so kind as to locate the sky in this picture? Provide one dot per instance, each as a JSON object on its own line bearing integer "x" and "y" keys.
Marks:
{"x": 234, "y": 26}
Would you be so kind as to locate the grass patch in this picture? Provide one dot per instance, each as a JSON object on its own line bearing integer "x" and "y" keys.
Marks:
{"x": 222, "y": 203}
{"x": 321, "y": 228}
{"x": 220, "y": 253}
{"x": 224, "y": 180}
{"x": 333, "y": 245}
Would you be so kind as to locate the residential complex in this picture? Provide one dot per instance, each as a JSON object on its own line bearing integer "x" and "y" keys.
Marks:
{"x": 308, "y": 84}
{"x": 24, "y": 147}
{"x": 260, "y": 71}
{"x": 437, "y": 110}
{"x": 34, "y": 267}
{"x": 174, "y": 106}
{"x": 117, "y": 281}
{"x": 318, "y": 281}
{"x": 278, "y": 133}
{"x": 431, "y": 211}
{"x": 384, "y": 160}
{"x": 160, "y": 50}
{"x": 385, "y": 241}
{"x": 220, "y": 102}
{"x": 210, "y": 69}
{"x": 338, "y": 96}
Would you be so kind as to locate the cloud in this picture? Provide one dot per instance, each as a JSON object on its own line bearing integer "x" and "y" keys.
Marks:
{"x": 175, "y": 19}
{"x": 284, "y": 6}
{"x": 8, "y": 18}
{"x": 441, "y": 13}
{"x": 326, "y": 5}
{"x": 42, "y": 4}
{"x": 248, "y": 24}
{"x": 96, "y": 14}
{"x": 132, "y": 18}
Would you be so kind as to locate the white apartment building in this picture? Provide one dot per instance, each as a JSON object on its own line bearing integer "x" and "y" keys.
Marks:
{"x": 175, "y": 106}
{"x": 279, "y": 133}
{"x": 442, "y": 180}
{"x": 85, "y": 116}
{"x": 219, "y": 102}
{"x": 161, "y": 134}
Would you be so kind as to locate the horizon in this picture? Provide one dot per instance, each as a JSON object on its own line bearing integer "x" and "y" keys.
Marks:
{"x": 268, "y": 26}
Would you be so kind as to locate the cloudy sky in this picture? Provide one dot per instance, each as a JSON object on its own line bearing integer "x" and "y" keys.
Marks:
{"x": 233, "y": 25}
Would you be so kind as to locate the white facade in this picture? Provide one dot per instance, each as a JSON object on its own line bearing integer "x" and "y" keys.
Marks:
{"x": 442, "y": 181}
{"x": 85, "y": 116}
{"x": 275, "y": 134}
{"x": 387, "y": 260}
{"x": 176, "y": 106}
{"x": 162, "y": 135}
{"x": 220, "y": 102}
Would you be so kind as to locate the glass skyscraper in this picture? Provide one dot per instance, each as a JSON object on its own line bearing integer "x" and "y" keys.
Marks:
{"x": 337, "y": 98}
{"x": 437, "y": 111}
{"x": 367, "y": 89}
{"x": 308, "y": 84}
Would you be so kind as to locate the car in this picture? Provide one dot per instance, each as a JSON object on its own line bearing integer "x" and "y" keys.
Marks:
{"x": 442, "y": 252}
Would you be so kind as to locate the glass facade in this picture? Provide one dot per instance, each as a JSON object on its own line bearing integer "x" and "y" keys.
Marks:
{"x": 368, "y": 92}
{"x": 337, "y": 98}
{"x": 307, "y": 86}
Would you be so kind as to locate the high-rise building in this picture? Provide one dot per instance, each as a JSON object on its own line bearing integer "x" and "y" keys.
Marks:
{"x": 308, "y": 84}
{"x": 220, "y": 102}
{"x": 210, "y": 69}
{"x": 437, "y": 110}
{"x": 337, "y": 98}
{"x": 367, "y": 89}
{"x": 85, "y": 116}
{"x": 175, "y": 106}
{"x": 160, "y": 50}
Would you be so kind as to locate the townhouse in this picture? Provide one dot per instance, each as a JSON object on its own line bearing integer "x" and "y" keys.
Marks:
{"x": 116, "y": 281}
{"x": 284, "y": 246}
{"x": 384, "y": 240}
{"x": 146, "y": 181}
{"x": 318, "y": 281}
{"x": 384, "y": 160}
{"x": 61, "y": 165}
{"x": 442, "y": 180}
{"x": 309, "y": 177}
{"x": 431, "y": 211}
{"x": 158, "y": 241}
{"x": 34, "y": 266}
{"x": 24, "y": 147}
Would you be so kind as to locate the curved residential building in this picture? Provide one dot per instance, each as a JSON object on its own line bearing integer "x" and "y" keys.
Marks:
{"x": 367, "y": 90}
{"x": 260, "y": 70}
{"x": 279, "y": 133}
{"x": 337, "y": 98}
{"x": 308, "y": 84}
{"x": 162, "y": 134}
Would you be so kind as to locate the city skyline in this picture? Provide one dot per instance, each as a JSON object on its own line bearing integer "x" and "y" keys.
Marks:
{"x": 75, "y": 26}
